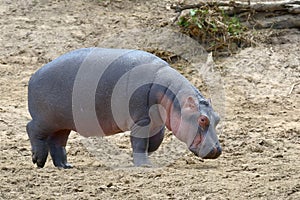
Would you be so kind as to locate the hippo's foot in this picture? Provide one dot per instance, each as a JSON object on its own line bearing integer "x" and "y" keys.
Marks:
{"x": 39, "y": 145}
{"x": 59, "y": 157}
{"x": 57, "y": 142}
{"x": 40, "y": 153}
{"x": 141, "y": 160}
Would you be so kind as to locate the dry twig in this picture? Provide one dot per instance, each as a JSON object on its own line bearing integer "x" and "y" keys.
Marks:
{"x": 293, "y": 86}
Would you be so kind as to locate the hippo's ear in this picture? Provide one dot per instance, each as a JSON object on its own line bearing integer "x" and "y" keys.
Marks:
{"x": 190, "y": 103}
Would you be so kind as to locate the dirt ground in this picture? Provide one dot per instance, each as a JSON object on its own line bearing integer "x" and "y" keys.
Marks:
{"x": 260, "y": 131}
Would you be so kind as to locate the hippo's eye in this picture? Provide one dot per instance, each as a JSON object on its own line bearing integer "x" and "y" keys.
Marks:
{"x": 203, "y": 121}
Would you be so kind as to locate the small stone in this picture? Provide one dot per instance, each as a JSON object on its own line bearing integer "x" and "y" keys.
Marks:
{"x": 278, "y": 156}
{"x": 109, "y": 185}
{"x": 190, "y": 161}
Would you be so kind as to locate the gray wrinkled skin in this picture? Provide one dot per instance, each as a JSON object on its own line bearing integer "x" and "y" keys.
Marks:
{"x": 100, "y": 92}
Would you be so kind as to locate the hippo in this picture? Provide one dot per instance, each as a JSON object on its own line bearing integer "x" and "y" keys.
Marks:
{"x": 101, "y": 92}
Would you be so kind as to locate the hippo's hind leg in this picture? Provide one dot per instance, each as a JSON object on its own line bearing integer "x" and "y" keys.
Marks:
{"x": 57, "y": 142}
{"x": 38, "y": 139}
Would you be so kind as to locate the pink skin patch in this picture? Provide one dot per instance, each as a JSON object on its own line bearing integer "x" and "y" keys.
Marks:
{"x": 204, "y": 124}
{"x": 197, "y": 141}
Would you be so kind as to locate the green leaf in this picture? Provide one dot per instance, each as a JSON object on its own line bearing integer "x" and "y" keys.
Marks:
{"x": 193, "y": 12}
{"x": 183, "y": 22}
{"x": 199, "y": 25}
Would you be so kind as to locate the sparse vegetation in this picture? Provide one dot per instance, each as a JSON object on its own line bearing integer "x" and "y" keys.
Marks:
{"x": 218, "y": 32}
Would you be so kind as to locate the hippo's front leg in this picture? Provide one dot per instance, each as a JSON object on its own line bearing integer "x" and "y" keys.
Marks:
{"x": 57, "y": 143}
{"x": 142, "y": 145}
{"x": 156, "y": 140}
{"x": 140, "y": 153}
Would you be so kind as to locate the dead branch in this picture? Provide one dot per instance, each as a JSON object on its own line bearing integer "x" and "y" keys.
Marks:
{"x": 284, "y": 14}
{"x": 232, "y": 7}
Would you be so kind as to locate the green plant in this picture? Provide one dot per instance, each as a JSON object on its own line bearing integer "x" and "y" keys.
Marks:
{"x": 216, "y": 30}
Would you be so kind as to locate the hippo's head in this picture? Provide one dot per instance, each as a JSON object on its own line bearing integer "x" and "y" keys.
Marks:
{"x": 197, "y": 128}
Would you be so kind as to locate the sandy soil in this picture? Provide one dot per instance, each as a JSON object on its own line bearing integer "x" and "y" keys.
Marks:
{"x": 260, "y": 132}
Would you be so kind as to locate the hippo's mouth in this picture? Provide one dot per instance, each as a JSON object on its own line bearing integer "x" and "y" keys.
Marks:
{"x": 205, "y": 151}
{"x": 194, "y": 147}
